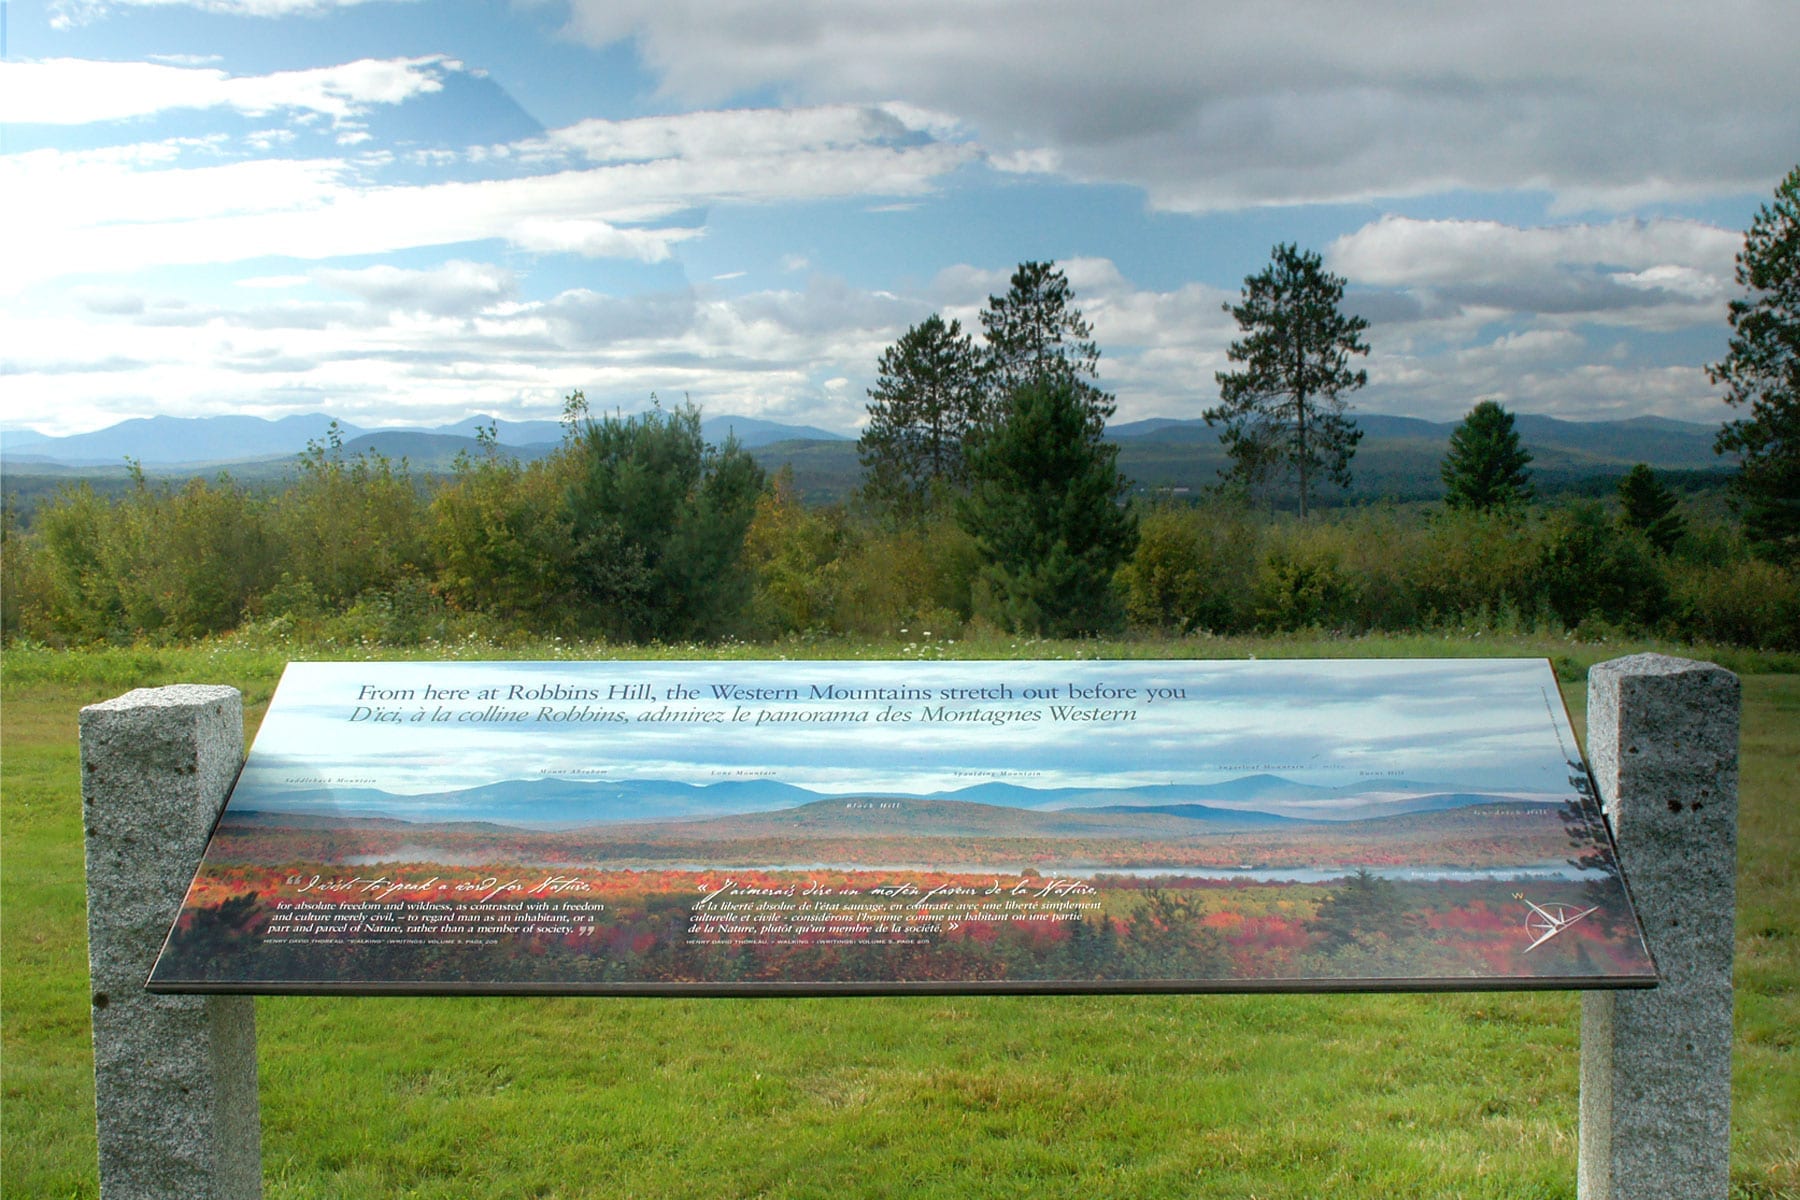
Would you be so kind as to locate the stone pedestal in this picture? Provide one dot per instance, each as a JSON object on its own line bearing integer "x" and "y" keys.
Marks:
{"x": 1656, "y": 1065}
{"x": 174, "y": 1076}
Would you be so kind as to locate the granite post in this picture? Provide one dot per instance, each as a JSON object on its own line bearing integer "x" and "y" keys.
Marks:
{"x": 174, "y": 1076}
{"x": 1656, "y": 1064}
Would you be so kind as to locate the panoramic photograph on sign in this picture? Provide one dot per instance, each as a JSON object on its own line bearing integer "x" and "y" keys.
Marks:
{"x": 814, "y": 827}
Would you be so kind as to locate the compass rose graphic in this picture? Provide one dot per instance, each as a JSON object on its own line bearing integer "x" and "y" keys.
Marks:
{"x": 1547, "y": 920}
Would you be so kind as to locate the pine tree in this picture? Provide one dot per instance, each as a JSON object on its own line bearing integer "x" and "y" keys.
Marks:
{"x": 1044, "y": 507}
{"x": 1286, "y": 406}
{"x": 1646, "y": 505}
{"x": 1034, "y": 333}
{"x": 1485, "y": 467}
{"x": 1761, "y": 368}
{"x": 1365, "y": 905}
{"x": 922, "y": 410}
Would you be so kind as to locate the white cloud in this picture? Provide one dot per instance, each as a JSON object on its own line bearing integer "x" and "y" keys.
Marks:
{"x": 67, "y": 13}
{"x": 1400, "y": 250}
{"x": 456, "y": 288}
{"x": 1607, "y": 103}
{"x": 102, "y": 211}
{"x": 740, "y": 133}
{"x": 1467, "y": 310}
{"x": 69, "y": 91}
{"x": 1037, "y": 160}
{"x": 435, "y": 345}
{"x": 109, "y": 301}
{"x": 1558, "y": 378}
{"x": 440, "y": 344}
{"x": 1658, "y": 274}
{"x": 274, "y": 282}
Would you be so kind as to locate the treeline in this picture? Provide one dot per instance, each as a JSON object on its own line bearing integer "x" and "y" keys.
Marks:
{"x": 636, "y": 530}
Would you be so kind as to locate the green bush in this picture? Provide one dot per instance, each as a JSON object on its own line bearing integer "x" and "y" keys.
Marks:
{"x": 1591, "y": 568}
{"x": 796, "y": 555}
{"x": 1750, "y": 602}
{"x": 1381, "y": 551}
{"x": 1164, "y": 581}
{"x": 205, "y": 554}
{"x": 407, "y": 612}
{"x": 77, "y": 568}
{"x": 907, "y": 580}
{"x": 502, "y": 537}
{"x": 156, "y": 563}
{"x": 22, "y": 586}
{"x": 1193, "y": 569}
{"x": 658, "y": 521}
{"x": 352, "y": 553}
{"x": 1302, "y": 585}
{"x": 1472, "y": 565}
{"x": 349, "y": 527}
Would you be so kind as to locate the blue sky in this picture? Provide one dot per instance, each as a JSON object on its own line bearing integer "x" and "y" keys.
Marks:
{"x": 411, "y": 212}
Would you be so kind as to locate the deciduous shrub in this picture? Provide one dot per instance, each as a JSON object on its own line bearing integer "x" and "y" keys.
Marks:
{"x": 157, "y": 562}
{"x": 1302, "y": 585}
{"x": 1194, "y": 569}
{"x": 907, "y": 580}
{"x": 502, "y": 536}
{"x": 796, "y": 556}
{"x": 350, "y": 525}
{"x": 1749, "y": 602}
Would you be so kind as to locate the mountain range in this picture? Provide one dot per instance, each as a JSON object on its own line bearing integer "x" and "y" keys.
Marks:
{"x": 956, "y": 835}
{"x": 1397, "y": 459}
{"x": 225, "y": 441}
{"x": 1255, "y": 800}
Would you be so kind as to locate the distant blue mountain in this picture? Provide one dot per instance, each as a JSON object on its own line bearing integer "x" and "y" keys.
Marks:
{"x": 168, "y": 441}
{"x": 551, "y": 803}
{"x": 211, "y": 441}
{"x": 1657, "y": 440}
{"x": 1247, "y": 790}
{"x": 752, "y": 432}
{"x": 508, "y": 433}
{"x": 570, "y": 804}
{"x": 1203, "y": 812}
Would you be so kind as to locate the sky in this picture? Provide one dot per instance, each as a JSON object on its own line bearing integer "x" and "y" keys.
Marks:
{"x": 1455, "y": 725}
{"x": 413, "y": 212}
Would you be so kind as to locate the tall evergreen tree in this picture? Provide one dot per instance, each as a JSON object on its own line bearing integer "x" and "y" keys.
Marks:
{"x": 922, "y": 410}
{"x": 1761, "y": 368}
{"x": 1044, "y": 508}
{"x": 1035, "y": 332}
{"x": 1364, "y": 906}
{"x": 1646, "y": 505}
{"x": 658, "y": 520}
{"x": 1485, "y": 466}
{"x": 1287, "y": 404}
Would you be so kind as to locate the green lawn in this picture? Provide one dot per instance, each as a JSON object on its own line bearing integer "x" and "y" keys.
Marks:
{"x": 1376, "y": 1096}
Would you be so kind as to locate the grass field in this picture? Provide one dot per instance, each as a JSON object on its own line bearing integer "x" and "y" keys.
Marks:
{"x": 1293, "y": 1096}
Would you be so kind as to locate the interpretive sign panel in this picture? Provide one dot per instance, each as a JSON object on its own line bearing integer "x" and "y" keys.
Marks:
{"x": 813, "y": 827}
